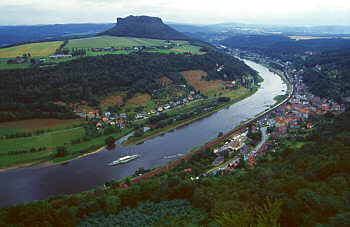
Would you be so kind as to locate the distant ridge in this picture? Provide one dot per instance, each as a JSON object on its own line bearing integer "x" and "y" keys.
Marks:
{"x": 144, "y": 27}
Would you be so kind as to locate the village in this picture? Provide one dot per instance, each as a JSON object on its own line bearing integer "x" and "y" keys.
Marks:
{"x": 119, "y": 120}
{"x": 299, "y": 112}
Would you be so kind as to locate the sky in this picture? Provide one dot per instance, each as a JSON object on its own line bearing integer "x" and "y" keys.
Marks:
{"x": 272, "y": 12}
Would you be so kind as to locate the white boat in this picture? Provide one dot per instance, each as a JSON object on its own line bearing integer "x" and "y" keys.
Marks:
{"x": 123, "y": 160}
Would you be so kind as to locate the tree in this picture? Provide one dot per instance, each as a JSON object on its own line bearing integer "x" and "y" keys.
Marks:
{"x": 110, "y": 142}
{"x": 61, "y": 151}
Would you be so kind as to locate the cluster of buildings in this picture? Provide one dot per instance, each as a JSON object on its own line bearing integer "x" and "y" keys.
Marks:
{"x": 113, "y": 49}
{"x": 60, "y": 56}
{"x": 120, "y": 120}
{"x": 17, "y": 60}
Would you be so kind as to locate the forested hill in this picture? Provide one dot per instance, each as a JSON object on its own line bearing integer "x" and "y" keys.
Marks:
{"x": 31, "y": 93}
{"x": 144, "y": 27}
{"x": 331, "y": 77}
{"x": 277, "y": 45}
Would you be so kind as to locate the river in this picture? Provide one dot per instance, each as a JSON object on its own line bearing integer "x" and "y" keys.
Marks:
{"x": 39, "y": 182}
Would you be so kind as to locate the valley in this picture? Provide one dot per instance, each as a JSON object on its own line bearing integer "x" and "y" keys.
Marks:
{"x": 138, "y": 124}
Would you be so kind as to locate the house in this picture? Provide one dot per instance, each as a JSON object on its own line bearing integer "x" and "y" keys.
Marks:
{"x": 104, "y": 119}
{"x": 282, "y": 129}
{"x": 251, "y": 161}
{"x": 120, "y": 123}
{"x": 153, "y": 111}
{"x": 107, "y": 114}
{"x": 160, "y": 108}
{"x": 190, "y": 98}
{"x": 122, "y": 115}
{"x": 93, "y": 113}
{"x": 309, "y": 125}
{"x": 98, "y": 125}
{"x": 188, "y": 170}
{"x": 139, "y": 116}
{"x": 166, "y": 106}
{"x": 293, "y": 125}
{"x": 185, "y": 100}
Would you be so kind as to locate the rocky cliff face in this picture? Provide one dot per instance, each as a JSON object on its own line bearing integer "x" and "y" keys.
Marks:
{"x": 138, "y": 19}
{"x": 144, "y": 27}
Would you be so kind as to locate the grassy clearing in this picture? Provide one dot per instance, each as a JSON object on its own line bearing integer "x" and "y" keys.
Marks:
{"x": 194, "y": 77}
{"x": 112, "y": 99}
{"x": 138, "y": 100}
{"x": 35, "y": 49}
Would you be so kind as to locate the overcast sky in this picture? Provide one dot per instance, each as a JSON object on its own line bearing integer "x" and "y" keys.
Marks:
{"x": 274, "y": 12}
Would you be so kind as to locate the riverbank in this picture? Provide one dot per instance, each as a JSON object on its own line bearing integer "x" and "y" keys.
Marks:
{"x": 49, "y": 157}
{"x": 214, "y": 142}
{"x": 187, "y": 121}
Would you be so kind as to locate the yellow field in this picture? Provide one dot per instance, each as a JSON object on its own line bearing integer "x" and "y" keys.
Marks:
{"x": 194, "y": 78}
{"x": 35, "y": 49}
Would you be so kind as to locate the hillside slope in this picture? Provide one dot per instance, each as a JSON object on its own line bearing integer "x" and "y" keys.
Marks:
{"x": 144, "y": 27}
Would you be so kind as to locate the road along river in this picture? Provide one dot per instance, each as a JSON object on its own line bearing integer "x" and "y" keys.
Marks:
{"x": 39, "y": 182}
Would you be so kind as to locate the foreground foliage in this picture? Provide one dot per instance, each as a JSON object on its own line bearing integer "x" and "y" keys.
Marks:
{"x": 307, "y": 186}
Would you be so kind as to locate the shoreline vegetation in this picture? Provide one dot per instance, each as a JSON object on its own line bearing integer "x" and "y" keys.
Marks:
{"x": 135, "y": 140}
{"x": 75, "y": 155}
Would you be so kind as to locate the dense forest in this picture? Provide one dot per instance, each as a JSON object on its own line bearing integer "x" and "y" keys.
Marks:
{"x": 31, "y": 93}
{"x": 306, "y": 186}
{"x": 278, "y": 45}
{"x": 333, "y": 79}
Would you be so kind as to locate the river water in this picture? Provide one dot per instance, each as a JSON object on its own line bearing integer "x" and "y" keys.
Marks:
{"x": 39, "y": 182}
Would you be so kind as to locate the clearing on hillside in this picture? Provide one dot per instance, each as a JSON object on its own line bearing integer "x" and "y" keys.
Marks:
{"x": 111, "y": 100}
{"x": 138, "y": 100}
{"x": 196, "y": 79}
{"x": 108, "y": 41}
{"x": 35, "y": 49}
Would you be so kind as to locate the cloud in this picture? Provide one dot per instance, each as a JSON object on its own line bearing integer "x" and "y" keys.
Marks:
{"x": 297, "y": 12}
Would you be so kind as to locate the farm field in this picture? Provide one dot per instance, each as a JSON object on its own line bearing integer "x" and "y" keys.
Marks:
{"x": 34, "y": 124}
{"x": 35, "y": 49}
{"x": 108, "y": 41}
{"x": 50, "y": 141}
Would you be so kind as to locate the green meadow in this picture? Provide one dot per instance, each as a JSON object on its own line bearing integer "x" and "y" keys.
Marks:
{"x": 120, "y": 42}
